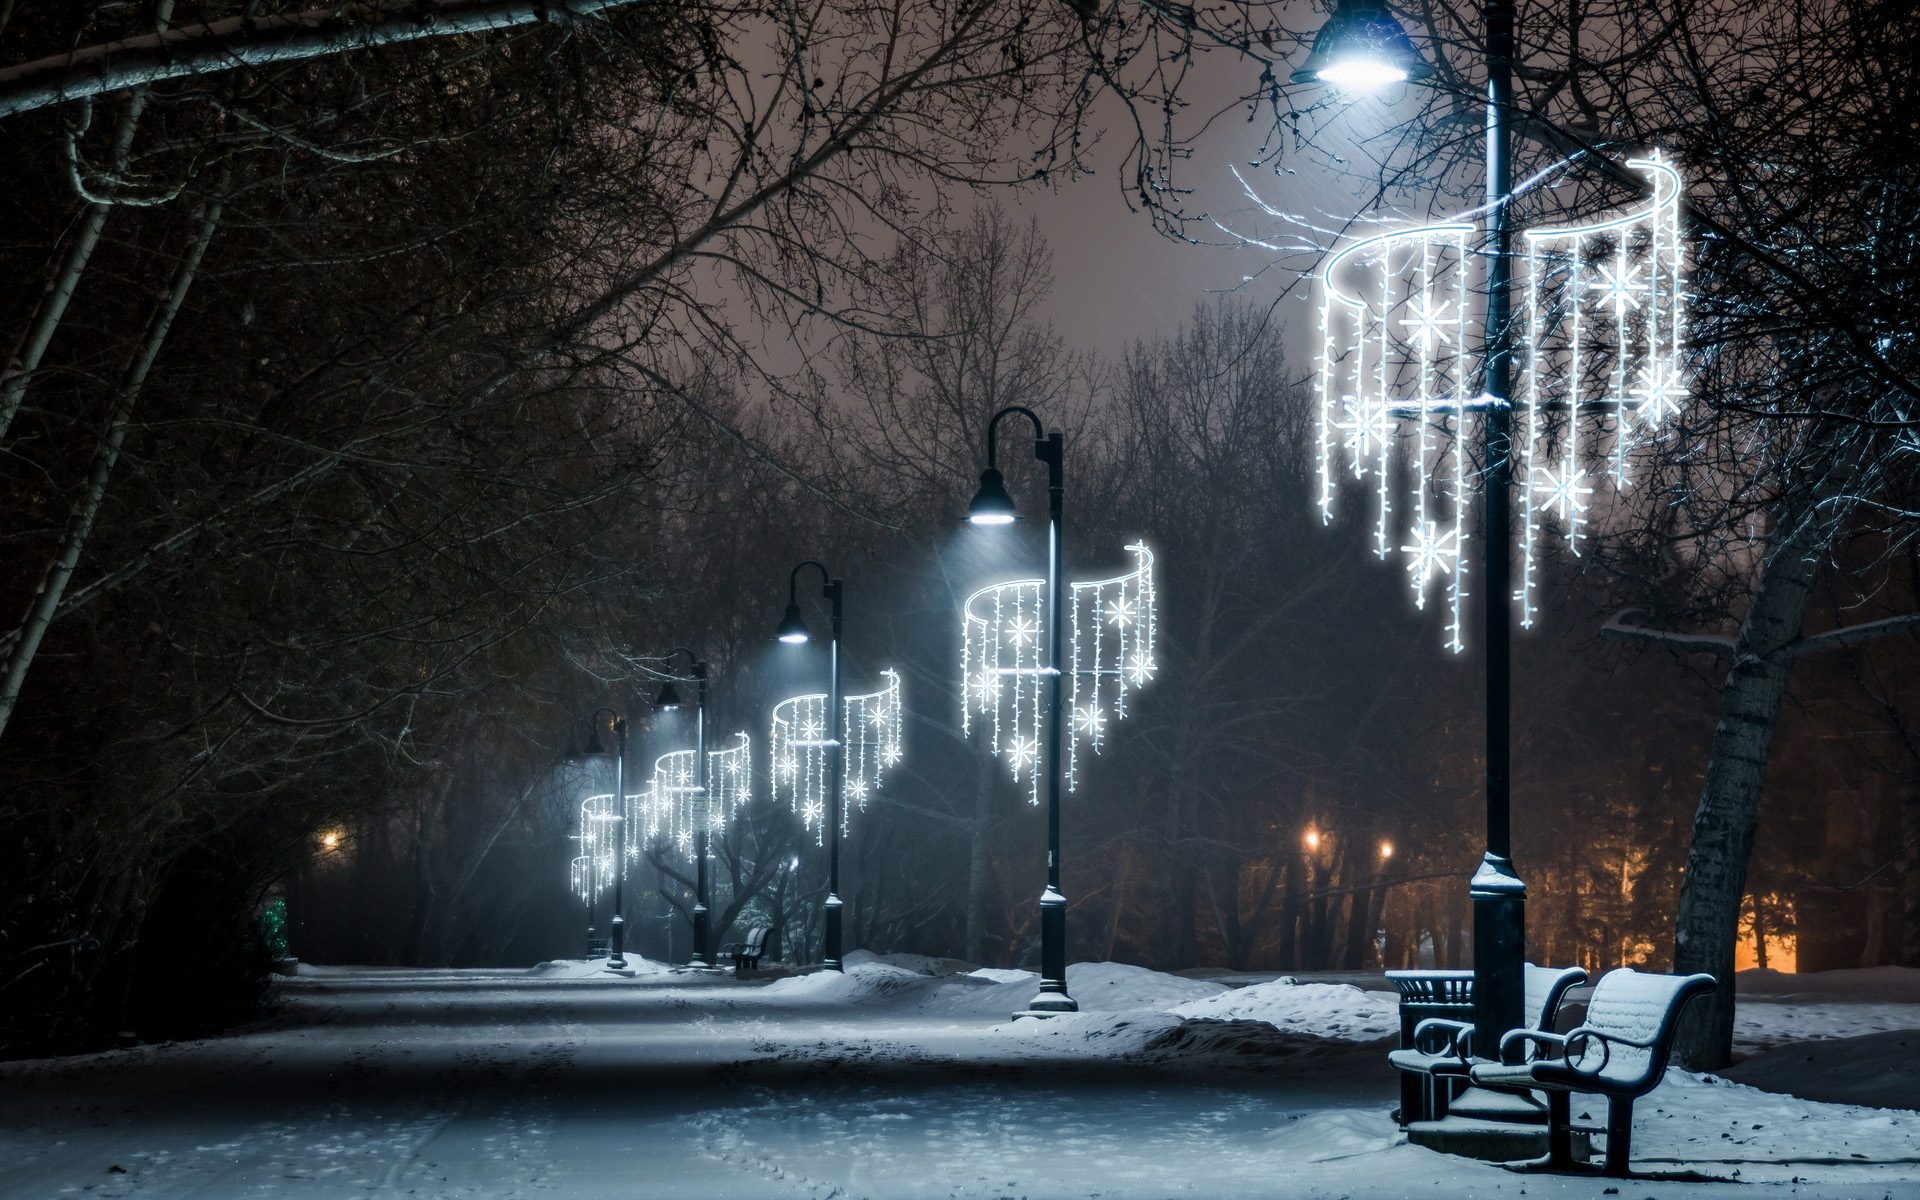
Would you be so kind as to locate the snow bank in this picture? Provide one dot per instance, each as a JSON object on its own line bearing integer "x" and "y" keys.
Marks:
{"x": 573, "y": 968}
{"x": 1326, "y": 1010}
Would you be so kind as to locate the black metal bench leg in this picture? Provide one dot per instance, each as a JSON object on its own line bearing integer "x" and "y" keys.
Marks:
{"x": 1413, "y": 1097}
{"x": 1619, "y": 1135}
{"x": 1559, "y": 1129}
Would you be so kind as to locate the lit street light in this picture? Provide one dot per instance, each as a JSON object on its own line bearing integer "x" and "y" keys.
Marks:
{"x": 670, "y": 699}
{"x": 1360, "y": 47}
{"x": 617, "y": 927}
{"x": 992, "y": 505}
{"x": 793, "y": 631}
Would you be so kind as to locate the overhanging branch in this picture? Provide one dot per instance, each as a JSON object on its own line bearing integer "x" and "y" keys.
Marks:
{"x": 1853, "y": 635}
{"x": 1618, "y": 627}
{"x": 213, "y": 46}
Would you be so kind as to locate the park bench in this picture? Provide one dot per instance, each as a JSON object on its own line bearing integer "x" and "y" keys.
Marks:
{"x": 1437, "y": 1050}
{"x": 598, "y": 947}
{"x": 1620, "y": 1051}
{"x": 746, "y": 955}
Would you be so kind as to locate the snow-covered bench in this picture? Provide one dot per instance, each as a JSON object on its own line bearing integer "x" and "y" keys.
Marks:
{"x": 1620, "y": 1052}
{"x": 746, "y": 955}
{"x": 1435, "y": 1054}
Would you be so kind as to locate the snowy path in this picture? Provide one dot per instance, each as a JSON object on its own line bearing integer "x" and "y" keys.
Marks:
{"x": 456, "y": 1084}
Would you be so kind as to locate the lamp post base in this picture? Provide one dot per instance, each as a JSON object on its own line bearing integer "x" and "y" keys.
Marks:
{"x": 1499, "y": 952}
{"x": 700, "y": 957}
{"x": 830, "y": 945}
{"x": 618, "y": 958}
{"x": 1053, "y": 998}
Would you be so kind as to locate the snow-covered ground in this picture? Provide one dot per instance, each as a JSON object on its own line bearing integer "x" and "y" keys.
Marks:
{"x": 901, "y": 1078}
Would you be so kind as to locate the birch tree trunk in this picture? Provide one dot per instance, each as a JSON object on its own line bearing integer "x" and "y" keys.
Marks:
{"x": 59, "y": 572}
{"x": 1708, "y": 923}
{"x": 25, "y": 360}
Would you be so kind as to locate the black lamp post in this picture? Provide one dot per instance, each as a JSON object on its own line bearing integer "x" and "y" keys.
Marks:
{"x": 793, "y": 631}
{"x": 992, "y": 505}
{"x": 1363, "y": 46}
{"x": 669, "y": 699}
{"x": 617, "y": 926}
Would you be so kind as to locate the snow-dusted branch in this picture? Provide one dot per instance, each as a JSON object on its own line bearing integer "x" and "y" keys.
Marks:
{"x": 1853, "y": 635}
{"x": 215, "y": 46}
{"x": 1619, "y": 627}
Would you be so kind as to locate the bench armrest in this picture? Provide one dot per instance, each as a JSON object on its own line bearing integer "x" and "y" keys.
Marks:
{"x": 1449, "y": 1037}
{"x": 1539, "y": 1037}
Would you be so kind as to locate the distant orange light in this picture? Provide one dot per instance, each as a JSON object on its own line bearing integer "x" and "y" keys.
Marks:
{"x": 1386, "y": 850}
{"x": 1313, "y": 839}
{"x": 331, "y": 839}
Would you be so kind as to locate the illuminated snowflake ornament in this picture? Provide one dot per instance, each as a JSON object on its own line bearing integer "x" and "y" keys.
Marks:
{"x": 677, "y": 807}
{"x": 1599, "y": 337}
{"x": 599, "y": 862}
{"x": 871, "y": 725}
{"x": 1112, "y": 630}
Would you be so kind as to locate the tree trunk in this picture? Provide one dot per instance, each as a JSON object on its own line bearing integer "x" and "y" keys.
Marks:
{"x": 1708, "y": 923}
{"x": 59, "y": 572}
{"x": 1910, "y": 875}
{"x": 26, "y": 357}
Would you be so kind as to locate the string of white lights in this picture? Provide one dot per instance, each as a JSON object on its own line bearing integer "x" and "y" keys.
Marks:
{"x": 798, "y": 744}
{"x": 1401, "y": 357}
{"x": 598, "y": 863}
{"x": 1113, "y": 630}
{"x": 674, "y": 803}
{"x": 1599, "y": 336}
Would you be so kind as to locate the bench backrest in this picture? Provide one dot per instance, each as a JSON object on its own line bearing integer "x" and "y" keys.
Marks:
{"x": 1644, "y": 1008}
{"x": 1546, "y": 988}
{"x": 757, "y": 939}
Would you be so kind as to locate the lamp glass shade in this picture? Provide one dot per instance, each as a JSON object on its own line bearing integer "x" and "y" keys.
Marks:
{"x": 793, "y": 626}
{"x": 1362, "y": 48}
{"x": 669, "y": 696}
{"x": 992, "y": 505}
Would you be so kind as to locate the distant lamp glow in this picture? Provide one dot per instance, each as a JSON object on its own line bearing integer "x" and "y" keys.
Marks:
{"x": 1362, "y": 49}
{"x": 1386, "y": 851}
{"x": 793, "y": 626}
{"x": 992, "y": 505}
{"x": 331, "y": 839}
{"x": 1312, "y": 839}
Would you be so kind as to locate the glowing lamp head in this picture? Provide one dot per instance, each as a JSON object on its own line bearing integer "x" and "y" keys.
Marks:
{"x": 1313, "y": 839}
{"x": 793, "y": 627}
{"x": 1386, "y": 851}
{"x": 669, "y": 696}
{"x": 992, "y": 505}
{"x": 330, "y": 840}
{"x": 1362, "y": 75}
{"x": 1361, "y": 49}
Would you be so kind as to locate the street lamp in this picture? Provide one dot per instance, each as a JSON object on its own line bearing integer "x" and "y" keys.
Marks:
{"x": 670, "y": 699}
{"x": 992, "y": 505}
{"x": 793, "y": 631}
{"x": 1361, "y": 46}
{"x": 617, "y": 927}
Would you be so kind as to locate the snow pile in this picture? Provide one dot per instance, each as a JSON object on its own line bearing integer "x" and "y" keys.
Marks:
{"x": 1334, "y": 1011}
{"x": 1118, "y": 987}
{"x": 573, "y": 968}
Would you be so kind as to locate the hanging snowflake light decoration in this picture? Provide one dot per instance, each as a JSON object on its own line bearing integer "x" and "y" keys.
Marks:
{"x": 598, "y": 863}
{"x": 1112, "y": 634}
{"x": 871, "y": 727}
{"x": 675, "y": 804}
{"x": 1599, "y": 337}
